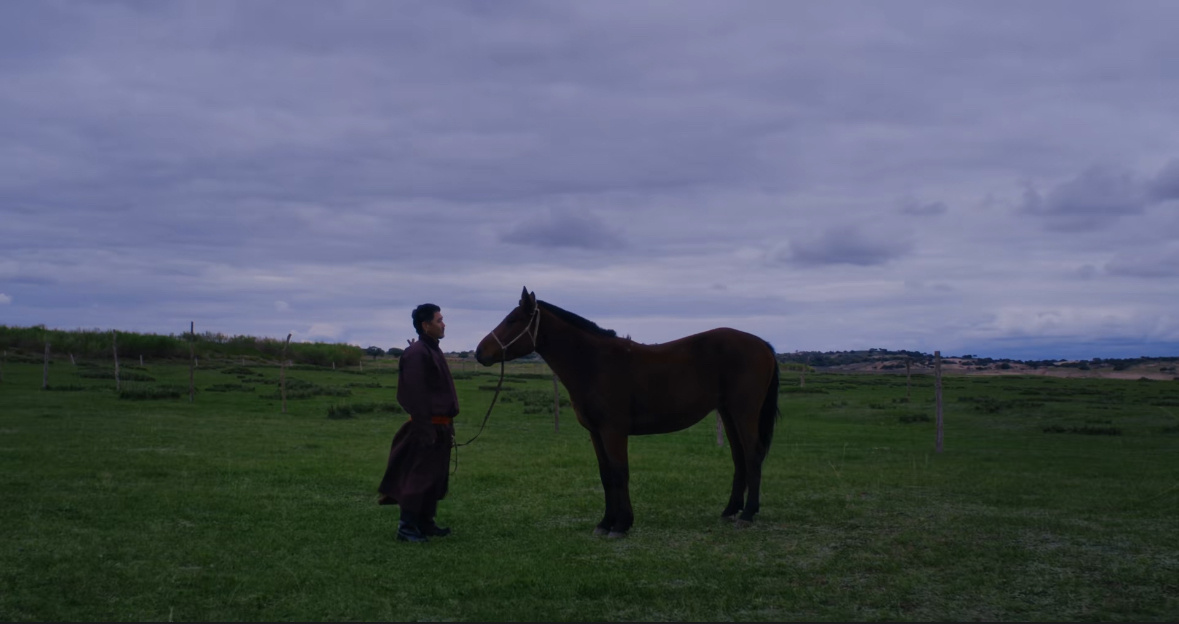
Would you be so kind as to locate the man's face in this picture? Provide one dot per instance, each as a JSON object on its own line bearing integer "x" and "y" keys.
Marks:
{"x": 435, "y": 329}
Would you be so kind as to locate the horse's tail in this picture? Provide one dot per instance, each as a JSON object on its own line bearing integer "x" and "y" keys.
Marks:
{"x": 769, "y": 408}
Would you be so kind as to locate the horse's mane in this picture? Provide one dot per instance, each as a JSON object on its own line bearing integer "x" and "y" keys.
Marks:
{"x": 577, "y": 321}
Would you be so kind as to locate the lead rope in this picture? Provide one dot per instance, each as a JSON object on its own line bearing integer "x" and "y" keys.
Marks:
{"x": 502, "y": 365}
{"x": 455, "y": 443}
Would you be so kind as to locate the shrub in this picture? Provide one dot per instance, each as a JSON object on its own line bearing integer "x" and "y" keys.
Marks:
{"x": 338, "y": 412}
{"x": 109, "y": 373}
{"x": 148, "y": 393}
{"x": 538, "y": 401}
{"x": 800, "y": 390}
{"x": 303, "y": 389}
{"x": 989, "y": 405}
{"x": 1086, "y": 430}
{"x": 67, "y": 388}
{"x": 230, "y": 388}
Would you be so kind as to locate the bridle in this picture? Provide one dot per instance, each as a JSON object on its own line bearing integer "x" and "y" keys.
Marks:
{"x": 529, "y": 331}
{"x": 532, "y": 330}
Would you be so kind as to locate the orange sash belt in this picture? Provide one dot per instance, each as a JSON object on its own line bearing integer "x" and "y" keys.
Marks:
{"x": 442, "y": 420}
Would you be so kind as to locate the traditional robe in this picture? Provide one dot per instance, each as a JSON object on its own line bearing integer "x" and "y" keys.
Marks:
{"x": 417, "y": 474}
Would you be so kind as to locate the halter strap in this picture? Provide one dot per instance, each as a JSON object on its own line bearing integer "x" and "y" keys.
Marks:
{"x": 529, "y": 331}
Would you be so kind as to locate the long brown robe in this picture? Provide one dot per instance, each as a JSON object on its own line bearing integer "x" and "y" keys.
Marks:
{"x": 417, "y": 475}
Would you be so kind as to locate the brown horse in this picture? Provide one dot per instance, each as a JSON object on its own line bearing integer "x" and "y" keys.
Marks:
{"x": 621, "y": 388}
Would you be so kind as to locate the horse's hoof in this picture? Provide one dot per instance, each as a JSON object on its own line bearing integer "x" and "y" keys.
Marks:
{"x": 615, "y": 535}
{"x": 599, "y": 531}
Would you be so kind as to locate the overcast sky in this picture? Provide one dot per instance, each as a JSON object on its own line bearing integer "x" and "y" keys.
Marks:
{"x": 998, "y": 179}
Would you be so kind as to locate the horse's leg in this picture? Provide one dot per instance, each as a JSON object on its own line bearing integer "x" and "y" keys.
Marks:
{"x": 615, "y": 472}
{"x": 742, "y": 430}
{"x": 755, "y": 448}
{"x": 753, "y": 462}
{"x": 737, "y": 495}
{"x": 604, "y": 473}
{"x": 624, "y": 515}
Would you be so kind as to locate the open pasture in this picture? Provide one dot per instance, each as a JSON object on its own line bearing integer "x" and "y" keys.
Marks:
{"x": 1055, "y": 499}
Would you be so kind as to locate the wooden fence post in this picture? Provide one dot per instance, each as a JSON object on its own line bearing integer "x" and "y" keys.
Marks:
{"x": 556, "y": 405}
{"x": 908, "y": 381}
{"x": 115, "y": 348}
{"x": 191, "y": 361}
{"x": 45, "y": 372}
{"x": 937, "y": 394}
{"x": 282, "y": 374}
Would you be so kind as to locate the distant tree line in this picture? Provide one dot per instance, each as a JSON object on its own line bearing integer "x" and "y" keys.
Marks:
{"x": 823, "y": 359}
{"x": 96, "y": 344}
{"x": 376, "y": 352}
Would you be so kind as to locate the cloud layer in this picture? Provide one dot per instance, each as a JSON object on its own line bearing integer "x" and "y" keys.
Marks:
{"x": 832, "y": 176}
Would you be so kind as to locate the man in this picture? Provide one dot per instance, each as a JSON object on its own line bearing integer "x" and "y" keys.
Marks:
{"x": 417, "y": 475}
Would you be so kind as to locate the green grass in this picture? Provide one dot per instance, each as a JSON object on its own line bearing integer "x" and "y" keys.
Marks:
{"x": 227, "y": 509}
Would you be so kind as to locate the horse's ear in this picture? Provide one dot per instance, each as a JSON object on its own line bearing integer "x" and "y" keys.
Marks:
{"x": 527, "y": 299}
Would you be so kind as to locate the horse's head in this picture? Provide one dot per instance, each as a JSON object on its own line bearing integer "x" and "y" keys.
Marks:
{"x": 515, "y": 336}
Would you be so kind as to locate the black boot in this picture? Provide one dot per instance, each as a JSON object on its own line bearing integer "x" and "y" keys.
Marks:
{"x": 428, "y": 527}
{"x": 409, "y": 533}
{"x": 408, "y": 529}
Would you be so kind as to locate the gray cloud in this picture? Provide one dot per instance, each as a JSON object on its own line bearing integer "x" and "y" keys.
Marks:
{"x": 1090, "y": 200}
{"x": 1165, "y": 185}
{"x": 566, "y": 228}
{"x": 847, "y": 244}
{"x": 269, "y": 167}
{"x": 1163, "y": 263}
{"x": 919, "y": 209}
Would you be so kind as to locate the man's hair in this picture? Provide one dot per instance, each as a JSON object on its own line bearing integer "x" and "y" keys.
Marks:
{"x": 423, "y": 313}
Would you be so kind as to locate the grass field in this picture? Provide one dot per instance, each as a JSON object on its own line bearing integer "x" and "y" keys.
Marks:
{"x": 1055, "y": 499}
